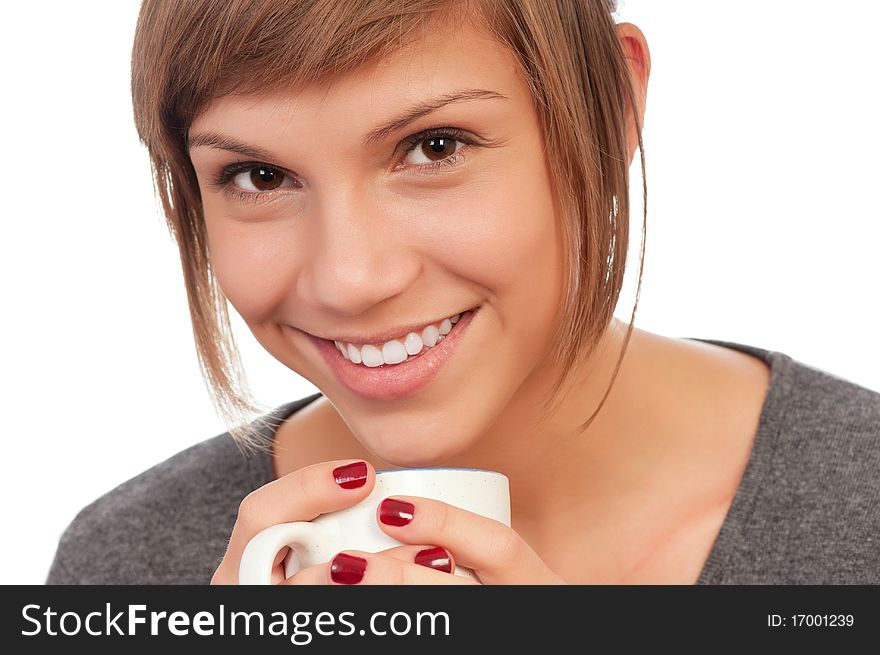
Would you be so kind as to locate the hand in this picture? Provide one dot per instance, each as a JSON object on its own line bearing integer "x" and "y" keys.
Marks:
{"x": 496, "y": 553}
{"x": 298, "y": 496}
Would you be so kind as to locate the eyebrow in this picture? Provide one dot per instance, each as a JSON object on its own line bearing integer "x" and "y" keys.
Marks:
{"x": 410, "y": 115}
{"x": 223, "y": 142}
{"x": 415, "y": 112}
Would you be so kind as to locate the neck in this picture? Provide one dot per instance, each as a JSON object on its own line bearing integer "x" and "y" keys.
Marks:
{"x": 551, "y": 464}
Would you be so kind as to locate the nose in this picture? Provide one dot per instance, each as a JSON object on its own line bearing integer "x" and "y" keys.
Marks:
{"x": 357, "y": 259}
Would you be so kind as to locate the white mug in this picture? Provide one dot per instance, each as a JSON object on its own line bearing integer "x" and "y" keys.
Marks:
{"x": 355, "y": 528}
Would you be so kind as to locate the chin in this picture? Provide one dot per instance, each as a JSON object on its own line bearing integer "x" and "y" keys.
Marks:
{"x": 409, "y": 460}
{"x": 428, "y": 451}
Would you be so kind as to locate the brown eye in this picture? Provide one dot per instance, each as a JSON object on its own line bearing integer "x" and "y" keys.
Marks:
{"x": 431, "y": 151}
{"x": 259, "y": 178}
{"x": 438, "y": 148}
{"x": 266, "y": 179}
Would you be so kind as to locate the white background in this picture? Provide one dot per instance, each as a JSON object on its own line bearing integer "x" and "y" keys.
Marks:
{"x": 761, "y": 145}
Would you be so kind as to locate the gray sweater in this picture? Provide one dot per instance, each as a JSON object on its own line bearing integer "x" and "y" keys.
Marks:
{"x": 807, "y": 510}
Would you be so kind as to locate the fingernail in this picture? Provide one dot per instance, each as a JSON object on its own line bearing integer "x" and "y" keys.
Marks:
{"x": 435, "y": 558}
{"x": 396, "y": 512}
{"x": 347, "y": 569}
{"x": 351, "y": 476}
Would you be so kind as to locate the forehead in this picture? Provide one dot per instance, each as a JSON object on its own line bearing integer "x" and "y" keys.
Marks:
{"x": 446, "y": 57}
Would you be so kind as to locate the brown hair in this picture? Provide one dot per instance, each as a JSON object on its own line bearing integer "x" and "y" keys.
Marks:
{"x": 186, "y": 54}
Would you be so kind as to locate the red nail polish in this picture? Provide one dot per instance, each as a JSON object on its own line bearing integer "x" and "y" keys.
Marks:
{"x": 396, "y": 512}
{"x": 351, "y": 476}
{"x": 347, "y": 569}
{"x": 435, "y": 558}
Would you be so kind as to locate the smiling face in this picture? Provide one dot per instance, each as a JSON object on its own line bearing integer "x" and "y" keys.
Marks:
{"x": 324, "y": 227}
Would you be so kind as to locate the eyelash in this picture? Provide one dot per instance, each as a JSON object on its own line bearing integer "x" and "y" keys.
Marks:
{"x": 228, "y": 173}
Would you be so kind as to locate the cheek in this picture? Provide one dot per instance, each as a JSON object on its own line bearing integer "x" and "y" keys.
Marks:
{"x": 250, "y": 262}
{"x": 503, "y": 235}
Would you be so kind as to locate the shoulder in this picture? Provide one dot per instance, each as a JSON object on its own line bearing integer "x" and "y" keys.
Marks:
{"x": 169, "y": 524}
{"x": 824, "y": 477}
{"x": 826, "y": 460}
{"x": 814, "y": 407}
{"x": 808, "y": 508}
{"x": 162, "y": 526}
{"x": 824, "y": 421}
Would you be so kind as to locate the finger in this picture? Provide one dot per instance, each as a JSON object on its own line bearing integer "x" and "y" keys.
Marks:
{"x": 496, "y": 553}
{"x": 359, "y": 567}
{"x": 434, "y": 557}
{"x": 277, "y": 569}
{"x": 298, "y": 496}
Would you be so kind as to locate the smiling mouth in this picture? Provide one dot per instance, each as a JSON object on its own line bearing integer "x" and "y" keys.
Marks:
{"x": 404, "y": 348}
{"x": 374, "y": 379}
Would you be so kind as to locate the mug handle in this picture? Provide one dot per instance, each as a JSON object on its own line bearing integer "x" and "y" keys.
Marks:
{"x": 259, "y": 554}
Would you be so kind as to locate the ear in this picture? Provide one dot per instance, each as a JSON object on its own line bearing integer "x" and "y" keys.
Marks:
{"x": 638, "y": 60}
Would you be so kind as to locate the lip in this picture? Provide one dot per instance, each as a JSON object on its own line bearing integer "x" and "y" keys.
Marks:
{"x": 393, "y": 381}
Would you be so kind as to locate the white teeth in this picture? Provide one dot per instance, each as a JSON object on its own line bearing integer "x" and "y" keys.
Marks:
{"x": 429, "y": 336}
{"x": 372, "y": 356}
{"x": 394, "y": 352}
{"x": 413, "y": 343}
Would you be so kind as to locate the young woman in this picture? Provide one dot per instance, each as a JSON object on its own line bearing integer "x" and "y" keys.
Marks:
{"x": 421, "y": 206}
